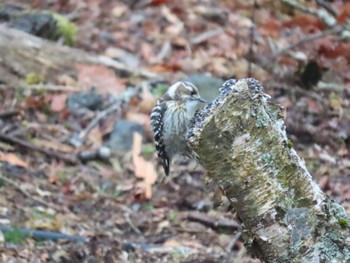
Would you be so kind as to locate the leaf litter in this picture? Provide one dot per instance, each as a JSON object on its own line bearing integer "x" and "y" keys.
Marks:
{"x": 117, "y": 203}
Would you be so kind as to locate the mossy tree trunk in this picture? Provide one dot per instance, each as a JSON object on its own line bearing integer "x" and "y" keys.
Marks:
{"x": 22, "y": 54}
{"x": 240, "y": 139}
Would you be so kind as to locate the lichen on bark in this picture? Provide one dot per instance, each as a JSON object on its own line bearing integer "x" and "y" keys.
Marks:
{"x": 240, "y": 139}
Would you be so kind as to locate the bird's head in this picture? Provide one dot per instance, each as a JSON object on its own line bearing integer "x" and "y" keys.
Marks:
{"x": 183, "y": 91}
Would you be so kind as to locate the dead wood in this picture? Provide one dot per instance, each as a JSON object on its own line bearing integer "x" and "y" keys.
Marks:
{"x": 240, "y": 139}
{"x": 22, "y": 53}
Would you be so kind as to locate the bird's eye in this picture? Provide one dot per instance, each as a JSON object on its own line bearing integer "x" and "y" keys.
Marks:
{"x": 193, "y": 92}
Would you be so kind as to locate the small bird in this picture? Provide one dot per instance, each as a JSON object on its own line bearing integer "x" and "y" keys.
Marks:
{"x": 170, "y": 119}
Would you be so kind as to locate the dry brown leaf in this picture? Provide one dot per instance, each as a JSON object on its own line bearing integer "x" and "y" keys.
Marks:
{"x": 13, "y": 159}
{"x": 119, "y": 10}
{"x": 147, "y": 104}
{"x": 54, "y": 145}
{"x": 101, "y": 77}
{"x": 95, "y": 137}
{"x": 148, "y": 101}
{"x": 45, "y": 223}
{"x": 58, "y": 102}
{"x": 147, "y": 51}
{"x": 142, "y": 168}
{"x": 162, "y": 68}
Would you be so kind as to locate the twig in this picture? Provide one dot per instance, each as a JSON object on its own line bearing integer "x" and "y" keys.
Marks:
{"x": 214, "y": 223}
{"x": 102, "y": 153}
{"x": 28, "y": 195}
{"x": 330, "y": 87}
{"x": 49, "y": 87}
{"x": 131, "y": 224}
{"x": 328, "y": 7}
{"x": 318, "y": 35}
{"x": 206, "y": 35}
{"x": 40, "y": 234}
{"x": 119, "y": 66}
{"x": 96, "y": 120}
{"x": 64, "y": 157}
{"x": 8, "y": 114}
{"x": 164, "y": 52}
{"x": 252, "y": 29}
{"x": 327, "y": 18}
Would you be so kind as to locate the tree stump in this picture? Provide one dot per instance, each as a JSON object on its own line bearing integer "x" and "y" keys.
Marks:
{"x": 240, "y": 139}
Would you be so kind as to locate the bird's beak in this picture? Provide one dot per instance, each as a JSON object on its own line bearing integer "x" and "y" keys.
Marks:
{"x": 202, "y": 100}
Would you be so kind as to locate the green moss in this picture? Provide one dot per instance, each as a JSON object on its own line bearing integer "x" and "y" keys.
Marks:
{"x": 172, "y": 216}
{"x": 159, "y": 90}
{"x": 2, "y": 182}
{"x": 266, "y": 158}
{"x": 67, "y": 29}
{"x": 148, "y": 149}
{"x": 148, "y": 207}
{"x": 261, "y": 118}
{"x": 343, "y": 222}
{"x": 178, "y": 256}
{"x": 32, "y": 78}
{"x": 289, "y": 144}
{"x": 15, "y": 236}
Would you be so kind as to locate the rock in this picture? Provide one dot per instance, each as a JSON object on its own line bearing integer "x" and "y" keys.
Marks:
{"x": 208, "y": 86}
{"x": 90, "y": 101}
{"x": 40, "y": 23}
{"x": 9, "y": 11}
{"x": 121, "y": 138}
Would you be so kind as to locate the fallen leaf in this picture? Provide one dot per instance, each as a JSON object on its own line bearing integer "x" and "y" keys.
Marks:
{"x": 158, "y": 2}
{"x": 58, "y": 102}
{"x": 165, "y": 68}
{"x": 271, "y": 28}
{"x": 36, "y": 102}
{"x": 95, "y": 137}
{"x": 147, "y": 51}
{"x": 12, "y": 159}
{"x": 119, "y": 10}
{"x": 344, "y": 14}
{"x": 335, "y": 50}
{"x": 306, "y": 22}
{"x": 143, "y": 169}
{"x": 101, "y": 77}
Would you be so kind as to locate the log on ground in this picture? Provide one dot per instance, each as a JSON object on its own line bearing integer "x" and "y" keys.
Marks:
{"x": 22, "y": 54}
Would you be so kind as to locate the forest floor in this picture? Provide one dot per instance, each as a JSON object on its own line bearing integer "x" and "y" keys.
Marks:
{"x": 123, "y": 206}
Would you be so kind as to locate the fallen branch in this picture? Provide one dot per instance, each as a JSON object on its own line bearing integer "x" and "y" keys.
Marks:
{"x": 98, "y": 118}
{"x": 22, "y": 54}
{"x": 328, "y": 6}
{"x": 71, "y": 159}
{"x": 212, "y": 222}
{"x": 40, "y": 234}
{"x": 240, "y": 139}
{"x": 9, "y": 114}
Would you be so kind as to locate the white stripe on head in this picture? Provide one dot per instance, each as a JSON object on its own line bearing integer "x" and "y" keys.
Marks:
{"x": 172, "y": 89}
{"x": 189, "y": 86}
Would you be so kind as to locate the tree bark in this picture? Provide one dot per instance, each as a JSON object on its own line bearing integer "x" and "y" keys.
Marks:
{"x": 22, "y": 53}
{"x": 240, "y": 139}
